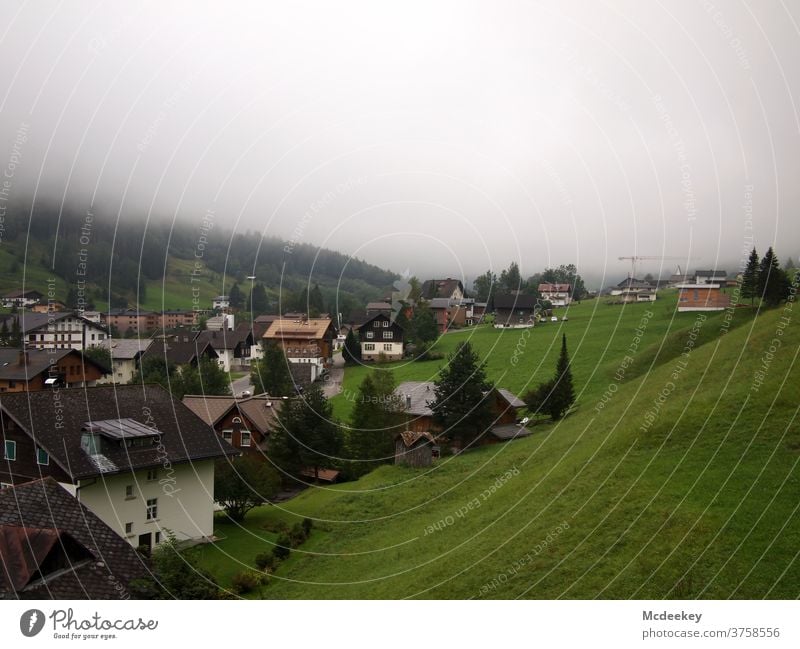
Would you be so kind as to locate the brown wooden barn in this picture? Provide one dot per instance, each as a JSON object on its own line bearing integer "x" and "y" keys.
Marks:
{"x": 414, "y": 448}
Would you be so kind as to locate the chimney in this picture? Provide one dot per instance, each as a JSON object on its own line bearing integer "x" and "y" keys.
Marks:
{"x": 22, "y": 359}
{"x": 408, "y": 402}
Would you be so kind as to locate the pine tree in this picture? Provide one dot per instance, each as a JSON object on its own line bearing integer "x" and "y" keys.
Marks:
{"x": 351, "y": 352}
{"x": 305, "y": 434}
{"x": 773, "y": 284}
{"x": 750, "y": 277}
{"x": 554, "y": 397}
{"x": 271, "y": 374}
{"x": 460, "y": 405}
{"x": 236, "y": 297}
{"x": 376, "y": 419}
{"x": 316, "y": 303}
{"x": 563, "y": 395}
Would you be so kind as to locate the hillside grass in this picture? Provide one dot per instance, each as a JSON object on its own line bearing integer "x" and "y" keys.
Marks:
{"x": 702, "y": 503}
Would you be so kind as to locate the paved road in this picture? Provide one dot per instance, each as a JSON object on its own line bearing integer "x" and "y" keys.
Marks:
{"x": 333, "y": 384}
{"x": 240, "y": 385}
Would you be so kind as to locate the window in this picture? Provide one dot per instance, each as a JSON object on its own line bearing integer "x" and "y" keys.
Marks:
{"x": 245, "y": 438}
{"x": 388, "y": 335}
{"x": 10, "y": 450}
{"x": 152, "y": 509}
{"x": 128, "y": 528}
{"x": 387, "y": 347}
{"x": 369, "y": 347}
{"x": 385, "y": 323}
{"x": 128, "y": 492}
{"x": 158, "y": 538}
{"x": 370, "y": 334}
{"x": 696, "y": 294}
{"x": 227, "y": 435}
{"x": 42, "y": 457}
{"x": 376, "y": 323}
{"x": 152, "y": 474}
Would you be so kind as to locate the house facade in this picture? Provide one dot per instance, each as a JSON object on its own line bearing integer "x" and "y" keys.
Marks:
{"x": 379, "y": 335}
{"x": 514, "y": 311}
{"x": 414, "y": 448}
{"x": 31, "y": 370}
{"x": 21, "y": 299}
{"x": 64, "y": 330}
{"x": 556, "y": 294}
{"x": 140, "y": 461}
{"x": 221, "y": 302}
{"x": 451, "y": 289}
{"x": 233, "y": 347}
{"x": 634, "y": 290}
{"x": 702, "y": 297}
{"x": 126, "y": 358}
{"x": 304, "y": 341}
{"x": 719, "y": 277}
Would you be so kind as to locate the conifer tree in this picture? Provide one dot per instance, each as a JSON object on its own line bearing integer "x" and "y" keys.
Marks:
{"x": 750, "y": 277}
{"x": 351, "y": 352}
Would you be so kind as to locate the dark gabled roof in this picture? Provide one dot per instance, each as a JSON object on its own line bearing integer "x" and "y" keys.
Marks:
{"x": 30, "y": 321}
{"x": 411, "y": 437}
{"x": 184, "y": 353}
{"x": 37, "y": 361}
{"x": 512, "y": 399}
{"x": 432, "y": 288}
{"x": 379, "y": 306}
{"x": 514, "y": 301}
{"x": 260, "y": 409}
{"x": 225, "y": 339}
{"x": 378, "y": 316}
{"x": 126, "y": 348}
{"x": 632, "y": 282}
{"x": 40, "y": 517}
{"x": 26, "y": 293}
{"x": 183, "y": 436}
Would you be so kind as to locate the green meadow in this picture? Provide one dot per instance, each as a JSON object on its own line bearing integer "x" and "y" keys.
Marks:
{"x": 675, "y": 476}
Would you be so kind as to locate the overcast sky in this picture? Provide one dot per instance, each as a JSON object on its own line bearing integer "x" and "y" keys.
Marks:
{"x": 446, "y": 138}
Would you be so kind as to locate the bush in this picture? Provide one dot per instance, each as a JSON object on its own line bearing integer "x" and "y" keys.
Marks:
{"x": 307, "y": 525}
{"x": 297, "y": 535}
{"x": 283, "y": 547}
{"x": 266, "y": 561}
{"x": 245, "y": 581}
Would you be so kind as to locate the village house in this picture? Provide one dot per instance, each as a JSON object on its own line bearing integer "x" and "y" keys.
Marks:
{"x": 679, "y": 277}
{"x": 634, "y": 290}
{"x": 126, "y": 358}
{"x": 451, "y": 289}
{"x": 62, "y": 330}
{"x": 449, "y": 313}
{"x": 220, "y": 303}
{"x": 719, "y": 277}
{"x": 416, "y": 397}
{"x": 374, "y": 308}
{"x": 415, "y": 448}
{"x": 304, "y": 340}
{"x": 20, "y": 299}
{"x": 556, "y": 294}
{"x": 233, "y": 347}
{"x": 381, "y": 337}
{"x": 54, "y": 547}
{"x": 136, "y": 458}
{"x": 49, "y": 306}
{"x": 178, "y": 319}
{"x": 514, "y": 310}
{"x": 129, "y": 321}
{"x": 243, "y": 423}
{"x": 702, "y": 297}
{"x": 31, "y": 370}
{"x": 181, "y": 350}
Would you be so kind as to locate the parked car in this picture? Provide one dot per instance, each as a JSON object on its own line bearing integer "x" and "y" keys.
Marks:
{"x": 554, "y": 318}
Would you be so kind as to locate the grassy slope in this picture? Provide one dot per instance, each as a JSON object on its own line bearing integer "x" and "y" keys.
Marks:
{"x": 703, "y": 504}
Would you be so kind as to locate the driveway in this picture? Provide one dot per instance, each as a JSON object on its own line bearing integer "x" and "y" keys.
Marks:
{"x": 333, "y": 382}
{"x": 240, "y": 385}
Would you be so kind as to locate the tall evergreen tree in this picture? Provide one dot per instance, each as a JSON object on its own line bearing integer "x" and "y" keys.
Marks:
{"x": 305, "y": 434}
{"x": 258, "y": 301}
{"x": 316, "y": 303}
{"x": 554, "y": 397}
{"x": 750, "y": 277}
{"x": 460, "y": 404}
{"x": 271, "y": 374}
{"x": 236, "y": 297}
{"x": 351, "y": 352}
{"x": 376, "y": 419}
{"x": 484, "y": 285}
{"x": 773, "y": 284}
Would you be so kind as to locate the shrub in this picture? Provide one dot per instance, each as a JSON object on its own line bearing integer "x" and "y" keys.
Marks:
{"x": 266, "y": 561}
{"x": 297, "y": 535}
{"x": 307, "y": 525}
{"x": 245, "y": 581}
{"x": 283, "y": 547}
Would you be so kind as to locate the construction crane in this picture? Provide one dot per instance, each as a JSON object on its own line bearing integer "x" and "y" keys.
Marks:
{"x": 636, "y": 258}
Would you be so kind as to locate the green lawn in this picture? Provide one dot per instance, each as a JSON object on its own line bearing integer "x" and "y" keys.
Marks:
{"x": 702, "y": 501}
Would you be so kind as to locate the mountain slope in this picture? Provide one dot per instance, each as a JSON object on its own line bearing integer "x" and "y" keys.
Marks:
{"x": 702, "y": 501}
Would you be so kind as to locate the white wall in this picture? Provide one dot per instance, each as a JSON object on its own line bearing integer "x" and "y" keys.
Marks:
{"x": 185, "y": 501}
